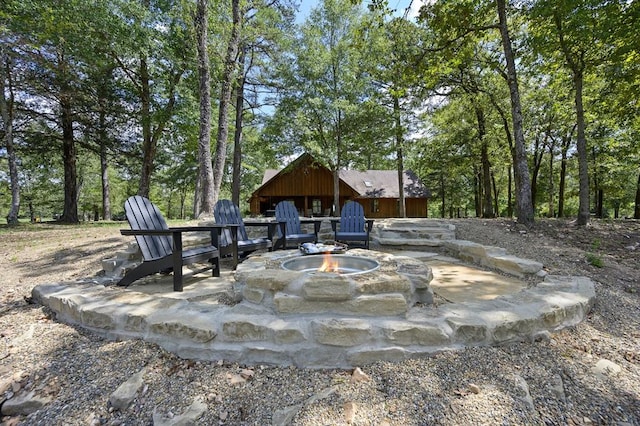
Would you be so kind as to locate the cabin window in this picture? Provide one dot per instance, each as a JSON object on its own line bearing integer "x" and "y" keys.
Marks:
{"x": 375, "y": 206}
{"x": 316, "y": 207}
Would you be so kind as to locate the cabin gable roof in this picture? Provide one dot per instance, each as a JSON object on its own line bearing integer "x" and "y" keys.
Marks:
{"x": 367, "y": 183}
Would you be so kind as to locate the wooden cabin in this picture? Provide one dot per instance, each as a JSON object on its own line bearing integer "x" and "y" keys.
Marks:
{"x": 309, "y": 186}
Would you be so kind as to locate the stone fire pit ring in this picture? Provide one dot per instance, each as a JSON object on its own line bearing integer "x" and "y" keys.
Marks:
{"x": 346, "y": 264}
{"x": 375, "y": 284}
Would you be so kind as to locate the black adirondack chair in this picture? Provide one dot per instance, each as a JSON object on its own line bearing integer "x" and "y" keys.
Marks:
{"x": 227, "y": 213}
{"x": 293, "y": 236}
{"x": 161, "y": 246}
{"x": 352, "y": 224}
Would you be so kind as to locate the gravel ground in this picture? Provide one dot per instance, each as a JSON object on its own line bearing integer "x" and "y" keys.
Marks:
{"x": 555, "y": 381}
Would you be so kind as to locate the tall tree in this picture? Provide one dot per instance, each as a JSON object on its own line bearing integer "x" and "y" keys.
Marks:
{"x": 452, "y": 24}
{"x": 323, "y": 91}
{"x": 7, "y": 101}
{"x": 521, "y": 170}
{"x": 267, "y": 27}
{"x": 393, "y": 55}
{"x": 203, "y": 205}
{"x": 226, "y": 88}
{"x": 153, "y": 55}
{"x": 578, "y": 31}
{"x": 52, "y": 40}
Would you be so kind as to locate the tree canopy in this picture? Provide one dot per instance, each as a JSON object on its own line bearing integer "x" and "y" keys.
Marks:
{"x": 501, "y": 108}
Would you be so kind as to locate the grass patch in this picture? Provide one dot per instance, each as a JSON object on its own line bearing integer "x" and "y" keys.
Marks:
{"x": 595, "y": 260}
{"x": 592, "y": 257}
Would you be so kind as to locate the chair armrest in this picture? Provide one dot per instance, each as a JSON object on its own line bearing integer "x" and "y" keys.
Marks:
{"x": 176, "y": 233}
{"x": 271, "y": 231}
{"x": 259, "y": 222}
{"x": 177, "y": 229}
{"x": 316, "y": 224}
{"x": 369, "y": 225}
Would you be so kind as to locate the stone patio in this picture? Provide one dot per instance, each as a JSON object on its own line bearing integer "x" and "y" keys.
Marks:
{"x": 224, "y": 318}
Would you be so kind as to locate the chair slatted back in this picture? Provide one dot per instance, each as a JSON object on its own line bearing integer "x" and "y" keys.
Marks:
{"x": 227, "y": 213}
{"x": 287, "y": 212}
{"x": 352, "y": 217}
{"x": 142, "y": 214}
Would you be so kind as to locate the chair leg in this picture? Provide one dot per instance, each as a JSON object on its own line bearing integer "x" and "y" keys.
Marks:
{"x": 142, "y": 270}
{"x": 177, "y": 261}
{"x": 177, "y": 279}
{"x": 215, "y": 272}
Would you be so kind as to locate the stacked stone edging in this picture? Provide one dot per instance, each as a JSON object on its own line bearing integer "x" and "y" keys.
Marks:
{"x": 205, "y": 329}
{"x": 195, "y": 324}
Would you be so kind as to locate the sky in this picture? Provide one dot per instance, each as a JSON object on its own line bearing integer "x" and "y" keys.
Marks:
{"x": 400, "y": 7}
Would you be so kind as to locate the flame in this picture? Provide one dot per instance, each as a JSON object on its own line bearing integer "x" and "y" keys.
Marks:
{"x": 329, "y": 264}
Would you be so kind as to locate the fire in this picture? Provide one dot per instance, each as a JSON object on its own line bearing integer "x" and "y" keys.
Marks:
{"x": 329, "y": 264}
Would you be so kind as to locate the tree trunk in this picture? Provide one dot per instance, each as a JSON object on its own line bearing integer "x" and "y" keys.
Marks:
{"x": 336, "y": 172}
{"x": 521, "y": 170}
{"x": 104, "y": 173}
{"x": 509, "y": 197}
{"x": 400, "y": 157}
{"x": 566, "y": 142}
{"x": 69, "y": 156}
{"x": 204, "y": 206}
{"x": 443, "y": 198}
{"x": 230, "y": 67}
{"x": 583, "y": 209}
{"x": 496, "y": 208}
{"x": 507, "y": 131}
{"x": 6, "y": 111}
{"x": 576, "y": 65}
{"x": 477, "y": 193}
{"x": 600, "y": 203}
{"x": 237, "y": 137}
{"x": 335, "y": 211}
{"x": 104, "y": 163}
{"x": 551, "y": 204}
{"x": 487, "y": 201}
{"x": 636, "y": 210}
{"x": 148, "y": 149}
{"x": 70, "y": 212}
{"x": 537, "y": 163}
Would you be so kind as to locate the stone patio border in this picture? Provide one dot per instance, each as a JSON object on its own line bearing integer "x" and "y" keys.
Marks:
{"x": 195, "y": 325}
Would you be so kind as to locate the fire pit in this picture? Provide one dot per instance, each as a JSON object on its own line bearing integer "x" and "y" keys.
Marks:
{"x": 361, "y": 283}
{"x": 336, "y": 263}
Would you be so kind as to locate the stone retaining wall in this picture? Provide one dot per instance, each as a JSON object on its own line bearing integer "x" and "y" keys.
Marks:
{"x": 203, "y": 328}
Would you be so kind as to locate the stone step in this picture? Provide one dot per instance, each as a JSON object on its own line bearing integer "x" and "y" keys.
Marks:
{"x": 401, "y": 242}
{"x": 493, "y": 257}
{"x": 414, "y": 223}
{"x": 428, "y": 234}
{"x": 109, "y": 265}
{"x": 132, "y": 252}
{"x": 414, "y": 232}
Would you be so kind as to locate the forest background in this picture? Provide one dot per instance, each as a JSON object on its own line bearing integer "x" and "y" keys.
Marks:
{"x": 526, "y": 108}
